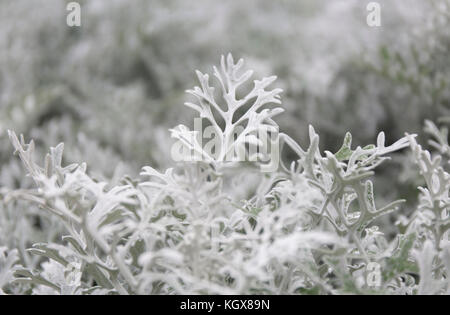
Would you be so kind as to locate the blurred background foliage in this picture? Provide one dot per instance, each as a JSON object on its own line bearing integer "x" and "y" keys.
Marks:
{"x": 111, "y": 88}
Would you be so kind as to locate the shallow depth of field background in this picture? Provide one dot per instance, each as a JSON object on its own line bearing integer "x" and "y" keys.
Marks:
{"x": 112, "y": 88}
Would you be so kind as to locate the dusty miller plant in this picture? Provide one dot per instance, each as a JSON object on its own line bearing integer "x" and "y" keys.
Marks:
{"x": 306, "y": 228}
